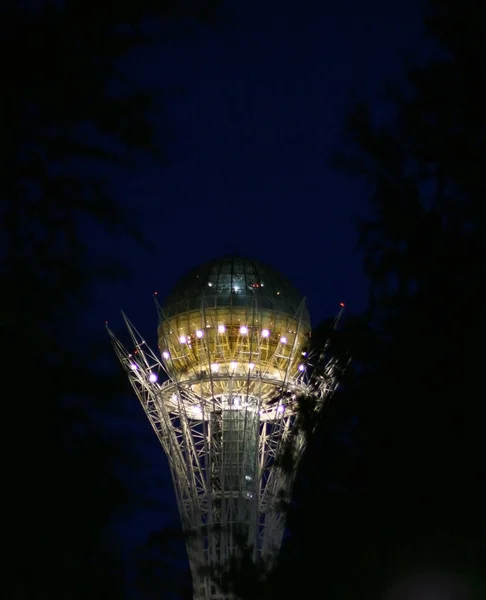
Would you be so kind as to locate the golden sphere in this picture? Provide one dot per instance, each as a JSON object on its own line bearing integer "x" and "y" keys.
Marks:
{"x": 237, "y": 317}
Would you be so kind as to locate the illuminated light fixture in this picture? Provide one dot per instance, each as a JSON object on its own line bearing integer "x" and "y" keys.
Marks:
{"x": 233, "y": 364}
{"x": 301, "y": 367}
{"x": 221, "y": 328}
{"x": 173, "y": 397}
{"x": 236, "y": 288}
{"x": 283, "y": 340}
{"x": 278, "y": 293}
{"x": 197, "y": 409}
{"x": 153, "y": 377}
{"x": 265, "y": 333}
{"x": 281, "y": 408}
{"x": 210, "y": 284}
{"x": 243, "y": 330}
{"x": 214, "y": 367}
{"x": 165, "y": 354}
{"x": 183, "y": 339}
{"x": 251, "y": 366}
{"x": 133, "y": 366}
{"x": 199, "y": 333}
{"x": 304, "y": 353}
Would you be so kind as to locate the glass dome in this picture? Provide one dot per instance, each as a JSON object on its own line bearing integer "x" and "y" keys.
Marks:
{"x": 234, "y": 281}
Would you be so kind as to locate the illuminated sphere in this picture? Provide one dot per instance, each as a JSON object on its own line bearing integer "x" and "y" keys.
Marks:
{"x": 234, "y": 316}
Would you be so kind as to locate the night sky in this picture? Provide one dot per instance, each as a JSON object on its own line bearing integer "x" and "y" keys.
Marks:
{"x": 250, "y": 134}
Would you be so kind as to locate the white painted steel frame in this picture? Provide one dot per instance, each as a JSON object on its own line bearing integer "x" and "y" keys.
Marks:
{"x": 223, "y": 448}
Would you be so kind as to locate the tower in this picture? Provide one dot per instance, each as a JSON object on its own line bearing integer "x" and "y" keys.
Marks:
{"x": 233, "y": 338}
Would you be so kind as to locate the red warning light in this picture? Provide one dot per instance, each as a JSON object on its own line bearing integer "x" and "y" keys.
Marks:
{"x": 341, "y": 304}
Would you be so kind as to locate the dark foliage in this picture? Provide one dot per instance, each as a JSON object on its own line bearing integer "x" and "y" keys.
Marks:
{"x": 158, "y": 570}
{"x": 69, "y": 113}
{"x": 393, "y": 483}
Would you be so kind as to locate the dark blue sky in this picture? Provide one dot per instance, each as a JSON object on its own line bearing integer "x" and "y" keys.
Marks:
{"x": 261, "y": 110}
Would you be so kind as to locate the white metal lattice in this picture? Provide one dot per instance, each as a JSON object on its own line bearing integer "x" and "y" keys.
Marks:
{"x": 224, "y": 434}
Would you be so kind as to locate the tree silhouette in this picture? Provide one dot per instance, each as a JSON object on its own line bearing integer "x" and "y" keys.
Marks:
{"x": 394, "y": 481}
{"x": 69, "y": 112}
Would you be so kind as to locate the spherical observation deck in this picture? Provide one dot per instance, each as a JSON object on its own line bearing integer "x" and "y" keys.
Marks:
{"x": 234, "y": 316}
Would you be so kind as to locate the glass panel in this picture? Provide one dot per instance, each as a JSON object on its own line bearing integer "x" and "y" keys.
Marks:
{"x": 234, "y": 281}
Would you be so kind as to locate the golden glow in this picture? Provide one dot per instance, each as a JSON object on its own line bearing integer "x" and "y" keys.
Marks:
{"x": 234, "y": 340}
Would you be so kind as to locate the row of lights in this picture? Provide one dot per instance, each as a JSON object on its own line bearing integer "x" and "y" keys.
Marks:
{"x": 233, "y": 365}
{"x": 198, "y": 411}
{"x": 265, "y": 333}
{"x": 236, "y": 288}
{"x": 214, "y": 366}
